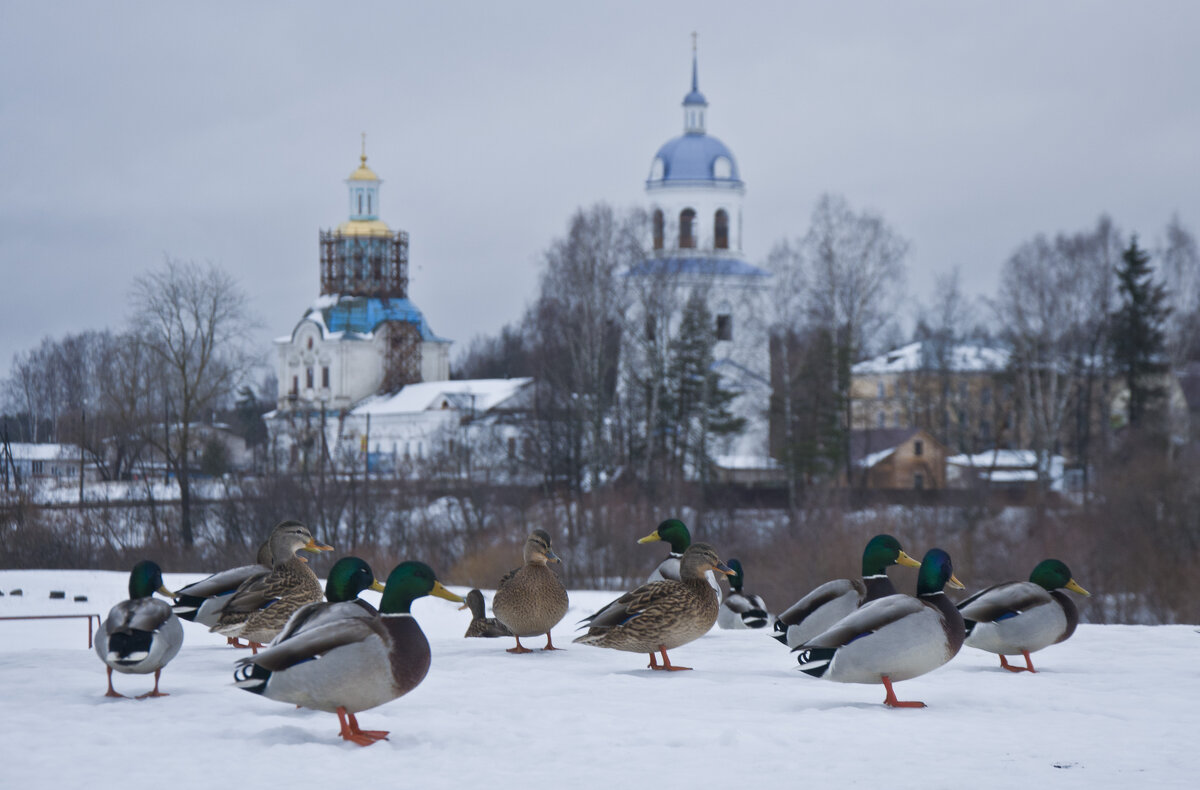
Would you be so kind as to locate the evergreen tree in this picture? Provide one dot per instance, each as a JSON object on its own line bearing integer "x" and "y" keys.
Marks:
{"x": 696, "y": 408}
{"x": 1138, "y": 334}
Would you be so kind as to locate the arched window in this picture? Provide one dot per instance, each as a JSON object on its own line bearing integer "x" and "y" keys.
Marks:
{"x": 687, "y": 235}
{"x": 360, "y": 201}
{"x": 658, "y": 229}
{"x": 721, "y": 230}
{"x": 368, "y": 202}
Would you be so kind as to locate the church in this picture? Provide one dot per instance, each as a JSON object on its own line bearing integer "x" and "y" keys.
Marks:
{"x": 364, "y": 362}
{"x": 363, "y": 335}
{"x": 694, "y": 196}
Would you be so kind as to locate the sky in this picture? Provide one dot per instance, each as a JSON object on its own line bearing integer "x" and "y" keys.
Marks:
{"x": 130, "y": 132}
{"x": 1112, "y": 707}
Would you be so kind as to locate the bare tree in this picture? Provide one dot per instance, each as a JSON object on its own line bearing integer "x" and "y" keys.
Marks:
{"x": 856, "y": 272}
{"x": 1179, "y": 265}
{"x": 193, "y": 321}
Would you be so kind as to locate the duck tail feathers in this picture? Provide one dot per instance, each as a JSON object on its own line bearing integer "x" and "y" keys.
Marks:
{"x": 251, "y": 677}
{"x": 815, "y": 660}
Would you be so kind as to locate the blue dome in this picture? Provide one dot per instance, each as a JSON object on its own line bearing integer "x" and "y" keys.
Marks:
{"x": 695, "y": 97}
{"x": 694, "y": 157}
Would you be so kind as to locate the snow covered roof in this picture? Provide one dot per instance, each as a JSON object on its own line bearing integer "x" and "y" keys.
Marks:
{"x": 746, "y": 462}
{"x": 480, "y": 395}
{"x": 908, "y": 359}
{"x": 27, "y": 451}
{"x": 1018, "y": 459}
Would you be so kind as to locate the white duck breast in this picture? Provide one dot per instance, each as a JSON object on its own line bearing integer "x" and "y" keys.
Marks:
{"x": 139, "y": 636}
{"x": 825, "y": 605}
{"x": 1013, "y": 617}
{"x": 898, "y": 636}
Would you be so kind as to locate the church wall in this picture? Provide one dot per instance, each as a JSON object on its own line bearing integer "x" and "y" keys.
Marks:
{"x": 705, "y": 201}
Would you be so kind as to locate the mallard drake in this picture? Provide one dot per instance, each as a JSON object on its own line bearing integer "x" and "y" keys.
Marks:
{"x": 676, "y": 533}
{"x": 261, "y": 606}
{"x": 140, "y": 635}
{"x": 361, "y": 662}
{"x": 531, "y": 600}
{"x": 893, "y": 638}
{"x": 740, "y": 609}
{"x": 1023, "y": 617}
{"x": 662, "y": 615}
{"x": 482, "y": 625}
{"x": 825, "y": 605}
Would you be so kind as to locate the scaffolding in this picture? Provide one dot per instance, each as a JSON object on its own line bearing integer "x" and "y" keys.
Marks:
{"x": 364, "y": 265}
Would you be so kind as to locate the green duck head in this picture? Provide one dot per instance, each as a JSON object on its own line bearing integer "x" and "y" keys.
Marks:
{"x": 936, "y": 572}
{"x": 673, "y": 531}
{"x": 146, "y": 579}
{"x": 347, "y": 578}
{"x": 409, "y": 581}
{"x": 736, "y": 579}
{"x": 1054, "y": 575}
{"x": 883, "y": 551}
{"x": 699, "y": 559}
{"x": 537, "y": 548}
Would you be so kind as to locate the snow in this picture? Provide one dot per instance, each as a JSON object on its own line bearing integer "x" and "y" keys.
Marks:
{"x": 1113, "y": 707}
{"x": 908, "y": 359}
{"x": 482, "y": 394}
{"x": 874, "y": 458}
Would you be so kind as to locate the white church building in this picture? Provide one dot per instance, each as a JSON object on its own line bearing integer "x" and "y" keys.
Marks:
{"x": 695, "y": 193}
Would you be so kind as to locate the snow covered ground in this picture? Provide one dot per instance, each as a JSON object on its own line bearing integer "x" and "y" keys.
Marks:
{"x": 1116, "y": 706}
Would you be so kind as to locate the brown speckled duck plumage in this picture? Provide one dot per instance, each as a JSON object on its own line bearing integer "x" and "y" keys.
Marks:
{"x": 661, "y": 615}
{"x": 260, "y": 608}
{"x": 531, "y": 600}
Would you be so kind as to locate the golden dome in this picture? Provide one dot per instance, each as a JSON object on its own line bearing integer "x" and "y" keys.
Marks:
{"x": 365, "y": 227}
{"x": 363, "y": 173}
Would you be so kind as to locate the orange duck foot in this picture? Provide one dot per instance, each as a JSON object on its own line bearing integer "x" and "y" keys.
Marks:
{"x": 518, "y": 648}
{"x": 667, "y": 665}
{"x": 350, "y": 730}
{"x": 891, "y": 701}
{"x": 1027, "y": 668}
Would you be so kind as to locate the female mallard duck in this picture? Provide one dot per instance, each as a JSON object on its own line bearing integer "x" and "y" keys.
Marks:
{"x": 347, "y": 578}
{"x": 140, "y": 635}
{"x": 531, "y": 600}
{"x": 740, "y": 609}
{"x": 1023, "y": 617}
{"x": 676, "y": 533}
{"x": 824, "y": 606}
{"x": 661, "y": 616}
{"x": 893, "y": 638}
{"x": 482, "y": 625}
{"x": 362, "y": 662}
{"x": 203, "y": 601}
{"x": 260, "y": 608}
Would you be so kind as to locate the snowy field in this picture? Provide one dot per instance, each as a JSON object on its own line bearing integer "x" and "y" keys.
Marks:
{"x": 1116, "y": 706}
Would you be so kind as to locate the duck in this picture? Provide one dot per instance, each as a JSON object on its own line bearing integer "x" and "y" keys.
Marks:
{"x": 1023, "y": 617}
{"x": 661, "y": 615}
{"x": 140, "y": 635}
{"x": 738, "y": 609}
{"x": 531, "y": 600}
{"x": 676, "y": 533}
{"x": 347, "y": 578}
{"x": 482, "y": 625}
{"x": 894, "y": 638}
{"x": 347, "y": 663}
{"x": 833, "y": 600}
{"x": 203, "y": 601}
{"x": 261, "y": 606}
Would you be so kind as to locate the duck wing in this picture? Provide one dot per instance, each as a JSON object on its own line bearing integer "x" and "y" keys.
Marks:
{"x": 223, "y": 582}
{"x": 867, "y": 619}
{"x": 138, "y": 614}
{"x": 1003, "y": 601}
{"x": 311, "y": 643}
{"x": 630, "y": 605}
{"x": 822, "y": 595}
{"x": 321, "y": 613}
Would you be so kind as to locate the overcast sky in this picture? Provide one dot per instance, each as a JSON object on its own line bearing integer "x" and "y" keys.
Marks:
{"x": 223, "y": 132}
